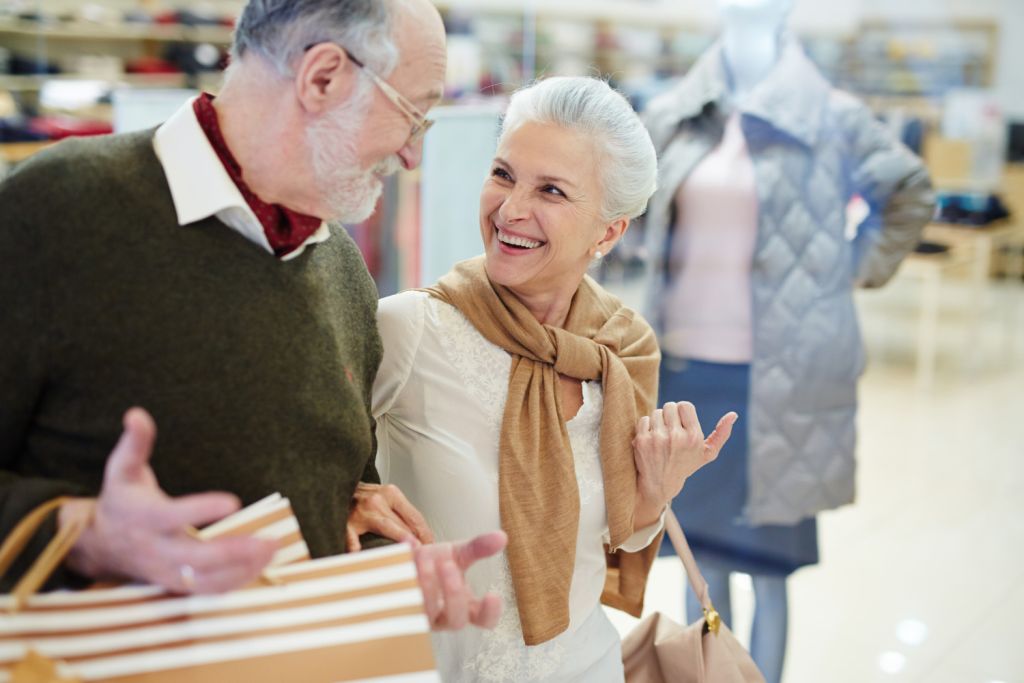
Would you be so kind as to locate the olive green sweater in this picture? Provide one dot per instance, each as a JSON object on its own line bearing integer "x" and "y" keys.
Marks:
{"x": 257, "y": 371}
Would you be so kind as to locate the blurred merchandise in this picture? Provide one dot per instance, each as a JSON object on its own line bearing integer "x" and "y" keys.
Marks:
{"x": 99, "y": 13}
{"x": 152, "y": 65}
{"x": 193, "y": 58}
{"x": 201, "y": 16}
{"x": 60, "y": 127}
{"x": 975, "y": 117}
{"x": 931, "y": 248}
{"x": 16, "y": 129}
{"x": 8, "y": 107}
{"x": 99, "y": 67}
{"x": 1015, "y": 142}
{"x": 975, "y": 210}
{"x": 20, "y": 65}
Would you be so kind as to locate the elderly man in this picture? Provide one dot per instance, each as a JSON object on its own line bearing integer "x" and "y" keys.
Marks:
{"x": 196, "y": 271}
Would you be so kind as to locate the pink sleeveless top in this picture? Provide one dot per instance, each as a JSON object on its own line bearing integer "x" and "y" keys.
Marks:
{"x": 707, "y": 305}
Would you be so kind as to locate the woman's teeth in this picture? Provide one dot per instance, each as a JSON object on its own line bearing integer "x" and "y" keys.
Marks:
{"x": 515, "y": 241}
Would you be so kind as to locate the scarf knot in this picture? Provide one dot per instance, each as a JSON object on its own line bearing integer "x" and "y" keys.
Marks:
{"x": 538, "y": 496}
{"x": 575, "y": 356}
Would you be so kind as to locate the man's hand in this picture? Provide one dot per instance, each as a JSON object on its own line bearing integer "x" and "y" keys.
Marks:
{"x": 449, "y": 602}
{"x": 140, "y": 533}
{"x": 384, "y": 510}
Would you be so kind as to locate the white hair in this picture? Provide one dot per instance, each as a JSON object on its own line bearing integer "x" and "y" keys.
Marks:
{"x": 282, "y": 30}
{"x": 628, "y": 162}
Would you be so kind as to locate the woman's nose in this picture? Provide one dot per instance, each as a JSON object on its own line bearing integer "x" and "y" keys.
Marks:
{"x": 514, "y": 207}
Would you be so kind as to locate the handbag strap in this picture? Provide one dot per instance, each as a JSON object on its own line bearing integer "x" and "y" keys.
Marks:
{"x": 697, "y": 581}
{"x": 51, "y": 557}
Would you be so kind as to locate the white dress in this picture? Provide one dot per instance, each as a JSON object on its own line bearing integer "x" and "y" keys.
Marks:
{"x": 439, "y": 399}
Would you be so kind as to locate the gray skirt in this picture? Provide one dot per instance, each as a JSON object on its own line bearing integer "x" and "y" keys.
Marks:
{"x": 710, "y": 507}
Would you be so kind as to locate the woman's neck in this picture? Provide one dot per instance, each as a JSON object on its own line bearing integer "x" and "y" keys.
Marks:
{"x": 549, "y": 308}
{"x": 750, "y": 52}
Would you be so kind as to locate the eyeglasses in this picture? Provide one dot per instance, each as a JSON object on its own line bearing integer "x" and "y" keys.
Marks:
{"x": 420, "y": 123}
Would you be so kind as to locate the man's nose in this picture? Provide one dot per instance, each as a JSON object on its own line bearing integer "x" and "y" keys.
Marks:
{"x": 411, "y": 155}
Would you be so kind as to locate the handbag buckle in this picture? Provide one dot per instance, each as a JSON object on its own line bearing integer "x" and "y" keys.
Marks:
{"x": 712, "y": 619}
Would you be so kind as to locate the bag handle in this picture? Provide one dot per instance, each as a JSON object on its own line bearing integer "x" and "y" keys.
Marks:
{"x": 51, "y": 557}
{"x": 697, "y": 581}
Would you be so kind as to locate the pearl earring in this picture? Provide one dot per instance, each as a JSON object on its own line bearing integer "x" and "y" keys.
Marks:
{"x": 597, "y": 255}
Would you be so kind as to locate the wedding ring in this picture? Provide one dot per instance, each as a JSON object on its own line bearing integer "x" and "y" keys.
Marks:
{"x": 188, "y": 577}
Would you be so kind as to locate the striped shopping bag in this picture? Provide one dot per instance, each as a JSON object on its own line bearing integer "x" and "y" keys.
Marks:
{"x": 271, "y": 518}
{"x": 355, "y": 617}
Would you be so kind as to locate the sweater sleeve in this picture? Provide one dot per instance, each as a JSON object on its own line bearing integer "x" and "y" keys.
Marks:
{"x": 27, "y": 351}
{"x": 896, "y": 186}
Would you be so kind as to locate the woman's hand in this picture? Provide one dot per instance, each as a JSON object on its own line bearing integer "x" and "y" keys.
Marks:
{"x": 384, "y": 510}
{"x": 669, "y": 447}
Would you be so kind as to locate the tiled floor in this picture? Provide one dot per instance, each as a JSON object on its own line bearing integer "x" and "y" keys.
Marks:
{"x": 922, "y": 580}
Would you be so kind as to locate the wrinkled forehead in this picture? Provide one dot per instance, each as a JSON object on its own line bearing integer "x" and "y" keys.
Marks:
{"x": 550, "y": 149}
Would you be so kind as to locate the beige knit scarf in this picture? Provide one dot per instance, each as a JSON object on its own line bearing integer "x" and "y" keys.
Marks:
{"x": 537, "y": 489}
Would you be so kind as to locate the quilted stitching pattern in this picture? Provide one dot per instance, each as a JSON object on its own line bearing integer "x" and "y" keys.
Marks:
{"x": 808, "y": 351}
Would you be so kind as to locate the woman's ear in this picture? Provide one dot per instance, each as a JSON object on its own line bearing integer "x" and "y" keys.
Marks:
{"x": 325, "y": 77}
{"x": 612, "y": 234}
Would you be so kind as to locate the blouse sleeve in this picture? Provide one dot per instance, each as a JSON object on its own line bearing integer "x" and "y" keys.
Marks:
{"x": 400, "y": 322}
{"x": 641, "y": 538}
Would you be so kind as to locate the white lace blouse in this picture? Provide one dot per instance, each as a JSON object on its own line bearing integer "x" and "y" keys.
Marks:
{"x": 438, "y": 399}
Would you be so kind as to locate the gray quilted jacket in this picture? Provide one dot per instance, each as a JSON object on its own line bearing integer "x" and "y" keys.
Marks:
{"x": 813, "y": 148}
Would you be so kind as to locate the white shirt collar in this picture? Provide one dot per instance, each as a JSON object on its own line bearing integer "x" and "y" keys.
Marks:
{"x": 201, "y": 187}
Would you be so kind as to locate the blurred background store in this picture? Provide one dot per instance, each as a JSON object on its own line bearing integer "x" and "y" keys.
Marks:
{"x": 923, "y": 578}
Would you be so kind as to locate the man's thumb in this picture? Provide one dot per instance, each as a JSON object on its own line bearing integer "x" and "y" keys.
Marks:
{"x": 131, "y": 454}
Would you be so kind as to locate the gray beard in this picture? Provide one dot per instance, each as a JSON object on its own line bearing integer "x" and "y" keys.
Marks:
{"x": 349, "y": 193}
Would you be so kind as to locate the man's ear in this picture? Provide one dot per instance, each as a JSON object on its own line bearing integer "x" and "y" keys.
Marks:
{"x": 325, "y": 76}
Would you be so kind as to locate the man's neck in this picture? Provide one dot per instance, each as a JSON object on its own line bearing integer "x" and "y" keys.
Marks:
{"x": 263, "y": 134}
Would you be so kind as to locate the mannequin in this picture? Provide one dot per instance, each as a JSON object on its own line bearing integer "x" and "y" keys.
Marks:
{"x": 751, "y": 30}
{"x": 750, "y": 291}
{"x": 751, "y": 34}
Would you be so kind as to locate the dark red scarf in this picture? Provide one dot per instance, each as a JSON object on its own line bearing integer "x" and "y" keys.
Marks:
{"x": 285, "y": 229}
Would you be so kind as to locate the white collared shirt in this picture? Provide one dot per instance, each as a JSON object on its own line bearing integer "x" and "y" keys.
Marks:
{"x": 200, "y": 185}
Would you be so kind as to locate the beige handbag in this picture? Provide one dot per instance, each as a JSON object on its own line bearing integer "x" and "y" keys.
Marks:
{"x": 659, "y": 650}
{"x": 344, "y": 618}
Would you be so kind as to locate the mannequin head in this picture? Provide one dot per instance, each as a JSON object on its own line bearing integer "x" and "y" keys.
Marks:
{"x": 769, "y": 15}
{"x": 751, "y": 34}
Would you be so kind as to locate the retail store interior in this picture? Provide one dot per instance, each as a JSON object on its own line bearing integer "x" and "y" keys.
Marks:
{"x": 922, "y": 578}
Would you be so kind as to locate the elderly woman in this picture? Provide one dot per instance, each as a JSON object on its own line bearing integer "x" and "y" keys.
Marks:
{"x": 517, "y": 393}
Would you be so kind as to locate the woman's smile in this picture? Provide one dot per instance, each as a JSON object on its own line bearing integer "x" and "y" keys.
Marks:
{"x": 514, "y": 243}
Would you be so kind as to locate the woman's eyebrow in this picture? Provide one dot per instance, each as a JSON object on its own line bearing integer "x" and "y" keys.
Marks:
{"x": 553, "y": 179}
{"x": 556, "y": 180}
